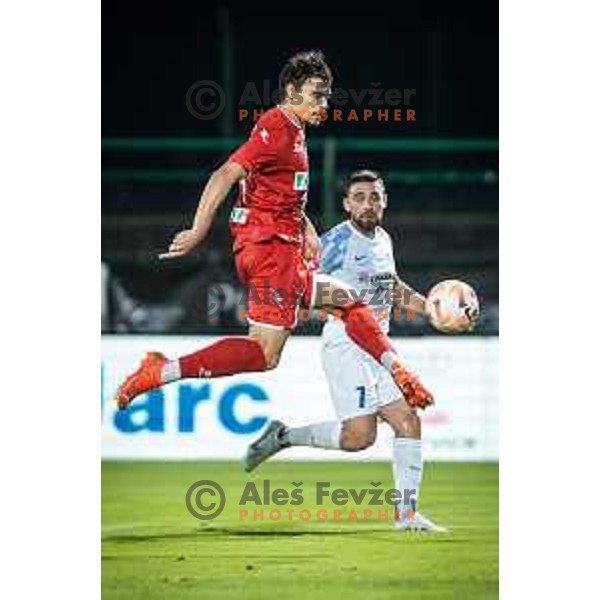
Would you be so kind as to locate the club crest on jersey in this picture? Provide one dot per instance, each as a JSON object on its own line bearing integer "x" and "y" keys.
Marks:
{"x": 264, "y": 134}
{"x": 301, "y": 181}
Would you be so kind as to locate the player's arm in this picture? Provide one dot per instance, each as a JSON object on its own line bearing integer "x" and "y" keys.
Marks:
{"x": 261, "y": 150}
{"x": 213, "y": 195}
{"x": 405, "y": 297}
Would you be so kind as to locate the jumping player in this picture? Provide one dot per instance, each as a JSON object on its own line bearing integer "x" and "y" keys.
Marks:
{"x": 360, "y": 253}
{"x": 271, "y": 238}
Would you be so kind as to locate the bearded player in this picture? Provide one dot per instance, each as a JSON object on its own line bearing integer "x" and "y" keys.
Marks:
{"x": 272, "y": 238}
{"x": 360, "y": 253}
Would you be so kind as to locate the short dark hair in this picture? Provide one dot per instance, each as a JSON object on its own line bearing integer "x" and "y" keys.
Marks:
{"x": 301, "y": 67}
{"x": 360, "y": 177}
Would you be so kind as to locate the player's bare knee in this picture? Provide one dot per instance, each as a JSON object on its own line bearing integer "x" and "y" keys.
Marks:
{"x": 361, "y": 440}
{"x": 357, "y": 438}
{"x": 403, "y": 419}
{"x": 272, "y": 356}
{"x": 407, "y": 424}
{"x": 272, "y": 360}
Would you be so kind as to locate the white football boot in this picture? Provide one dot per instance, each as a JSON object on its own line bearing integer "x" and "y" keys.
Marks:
{"x": 418, "y": 523}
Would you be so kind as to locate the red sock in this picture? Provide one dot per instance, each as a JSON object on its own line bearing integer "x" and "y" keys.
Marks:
{"x": 364, "y": 330}
{"x": 225, "y": 357}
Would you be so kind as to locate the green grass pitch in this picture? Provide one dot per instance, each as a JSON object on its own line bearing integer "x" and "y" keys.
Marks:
{"x": 153, "y": 548}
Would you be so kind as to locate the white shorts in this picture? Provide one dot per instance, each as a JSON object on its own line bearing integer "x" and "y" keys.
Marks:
{"x": 358, "y": 384}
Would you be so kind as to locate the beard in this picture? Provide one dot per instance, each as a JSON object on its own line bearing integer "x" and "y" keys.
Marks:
{"x": 367, "y": 223}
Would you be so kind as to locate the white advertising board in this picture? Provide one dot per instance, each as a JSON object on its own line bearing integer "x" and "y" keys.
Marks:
{"x": 217, "y": 418}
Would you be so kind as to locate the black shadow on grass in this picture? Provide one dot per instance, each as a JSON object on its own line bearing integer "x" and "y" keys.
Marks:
{"x": 232, "y": 532}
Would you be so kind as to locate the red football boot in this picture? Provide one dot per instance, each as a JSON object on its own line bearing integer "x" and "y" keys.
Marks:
{"x": 414, "y": 391}
{"x": 146, "y": 378}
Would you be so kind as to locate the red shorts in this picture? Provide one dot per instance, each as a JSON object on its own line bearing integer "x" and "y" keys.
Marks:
{"x": 278, "y": 280}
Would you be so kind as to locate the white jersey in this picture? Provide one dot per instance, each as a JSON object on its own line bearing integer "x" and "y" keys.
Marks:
{"x": 364, "y": 264}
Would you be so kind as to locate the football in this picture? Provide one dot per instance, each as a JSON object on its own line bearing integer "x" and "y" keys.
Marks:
{"x": 452, "y": 306}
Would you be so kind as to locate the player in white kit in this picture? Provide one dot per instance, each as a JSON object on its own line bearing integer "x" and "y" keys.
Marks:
{"x": 360, "y": 253}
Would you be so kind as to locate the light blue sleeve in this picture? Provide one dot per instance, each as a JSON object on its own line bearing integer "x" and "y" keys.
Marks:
{"x": 334, "y": 247}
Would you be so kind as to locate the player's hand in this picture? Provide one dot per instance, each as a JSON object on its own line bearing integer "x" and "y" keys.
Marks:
{"x": 312, "y": 247}
{"x": 183, "y": 243}
{"x": 428, "y": 315}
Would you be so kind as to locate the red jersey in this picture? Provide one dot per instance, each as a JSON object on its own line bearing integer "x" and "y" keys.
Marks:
{"x": 271, "y": 200}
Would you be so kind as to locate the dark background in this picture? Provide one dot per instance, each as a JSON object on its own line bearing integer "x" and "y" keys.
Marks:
{"x": 151, "y": 56}
{"x": 443, "y": 203}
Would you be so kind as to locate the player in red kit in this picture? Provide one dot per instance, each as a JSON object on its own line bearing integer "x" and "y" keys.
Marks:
{"x": 272, "y": 242}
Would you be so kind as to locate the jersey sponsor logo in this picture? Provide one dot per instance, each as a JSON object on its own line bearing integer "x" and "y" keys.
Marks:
{"x": 359, "y": 258}
{"x": 382, "y": 282}
{"x": 300, "y": 181}
{"x": 381, "y": 277}
{"x": 239, "y": 215}
{"x": 378, "y": 284}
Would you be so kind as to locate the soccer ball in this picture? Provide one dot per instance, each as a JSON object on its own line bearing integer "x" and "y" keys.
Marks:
{"x": 452, "y": 306}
